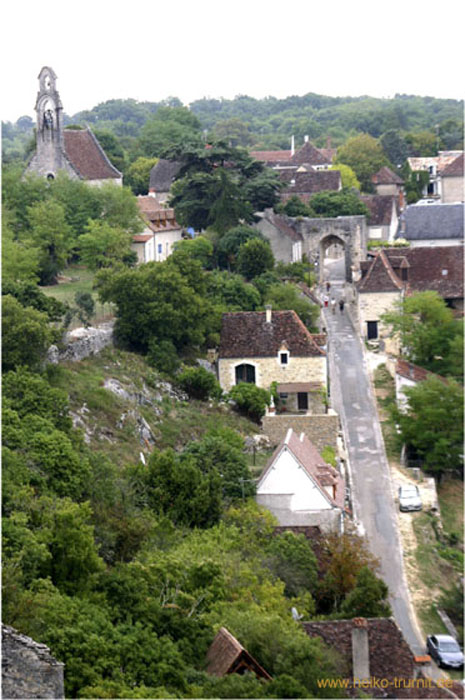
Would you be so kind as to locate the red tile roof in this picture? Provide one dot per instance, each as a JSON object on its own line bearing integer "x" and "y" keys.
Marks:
{"x": 87, "y": 156}
{"x": 385, "y": 176}
{"x": 247, "y": 334}
{"x": 380, "y": 277}
{"x": 310, "y": 155}
{"x": 454, "y": 169}
{"x": 414, "y": 372}
{"x": 271, "y": 156}
{"x": 142, "y": 237}
{"x": 304, "y": 184}
{"x": 227, "y": 655}
{"x": 321, "y": 473}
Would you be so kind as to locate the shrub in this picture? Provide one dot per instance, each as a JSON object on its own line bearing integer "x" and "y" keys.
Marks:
{"x": 199, "y": 383}
{"x": 163, "y": 356}
{"x": 250, "y": 400}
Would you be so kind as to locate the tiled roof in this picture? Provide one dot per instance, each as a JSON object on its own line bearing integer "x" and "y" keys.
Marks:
{"x": 380, "y": 276}
{"x": 385, "y": 176}
{"x": 158, "y": 218}
{"x": 163, "y": 174}
{"x": 304, "y": 184}
{"x": 390, "y": 656}
{"x": 328, "y": 153}
{"x": 142, "y": 237}
{"x": 309, "y": 458}
{"x": 441, "y": 161}
{"x": 87, "y": 156}
{"x": 439, "y": 269}
{"x": 432, "y": 221}
{"x": 309, "y": 154}
{"x": 380, "y": 208}
{"x": 454, "y": 169}
{"x": 247, "y": 334}
{"x": 271, "y": 156}
{"x": 410, "y": 371}
{"x": 227, "y": 655}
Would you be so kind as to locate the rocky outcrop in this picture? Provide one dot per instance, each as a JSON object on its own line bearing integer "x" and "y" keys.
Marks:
{"x": 81, "y": 343}
{"x": 28, "y": 668}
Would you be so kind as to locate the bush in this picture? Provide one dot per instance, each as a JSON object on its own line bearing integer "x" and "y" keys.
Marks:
{"x": 251, "y": 400}
{"x": 163, "y": 356}
{"x": 199, "y": 383}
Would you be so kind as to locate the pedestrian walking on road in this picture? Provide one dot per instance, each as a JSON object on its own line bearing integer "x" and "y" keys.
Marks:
{"x": 328, "y": 286}
{"x": 333, "y": 305}
{"x": 325, "y": 301}
{"x": 341, "y": 305}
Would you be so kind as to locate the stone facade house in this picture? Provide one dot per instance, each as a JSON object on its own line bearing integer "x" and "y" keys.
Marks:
{"x": 434, "y": 166}
{"x": 387, "y": 182}
{"x": 161, "y": 231}
{"x": 273, "y": 346}
{"x": 280, "y": 231}
{"x": 432, "y": 224}
{"x": 384, "y": 216}
{"x": 396, "y": 272}
{"x": 226, "y": 655}
{"x": 162, "y": 176}
{"x": 452, "y": 184}
{"x": 73, "y": 151}
{"x": 300, "y": 488}
{"x": 28, "y": 669}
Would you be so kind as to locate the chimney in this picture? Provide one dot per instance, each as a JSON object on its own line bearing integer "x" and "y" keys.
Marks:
{"x": 292, "y": 146}
{"x": 360, "y": 650}
{"x": 306, "y": 138}
{"x": 268, "y": 313}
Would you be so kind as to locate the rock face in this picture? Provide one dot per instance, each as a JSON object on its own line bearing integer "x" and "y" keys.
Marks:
{"x": 28, "y": 669}
{"x": 81, "y": 343}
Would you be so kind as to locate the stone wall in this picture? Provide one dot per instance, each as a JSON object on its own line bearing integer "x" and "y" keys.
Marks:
{"x": 322, "y": 430}
{"x": 328, "y": 520}
{"x": 269, "y": 369}
{"x": 28, "y": 669}
{"x": 81, "y": 343}
{"x": 452, "y": 190}
{"x": 370, "y": 308}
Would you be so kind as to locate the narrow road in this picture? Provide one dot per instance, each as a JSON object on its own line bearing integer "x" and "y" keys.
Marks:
{"x": 374, "y": 506}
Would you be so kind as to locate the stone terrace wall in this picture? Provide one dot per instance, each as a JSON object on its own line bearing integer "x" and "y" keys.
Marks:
{"x": 81, "y": 343}
{"x": 28, "y": 669}
{"x": 321, "y": 430}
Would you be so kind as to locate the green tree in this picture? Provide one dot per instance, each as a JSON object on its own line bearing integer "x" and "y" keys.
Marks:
{"x": 199, "y": 248}
{"x": 422, "y": 144}
{"x": 137, "y": 175}
{"x": 199, "y": 383}
{"x": 168, "y": 132}
{"x": 427, "y": 330}
{"x": 295, "y": 207}
{"x": 285, "y": 296}
{"x": 119, "y": 208}
{"x": 112, "y": 147}
{"x": 432, "y": 424}
{"x": 365, "y": 156}
{"x": 231, "y": 292}
{"x": 20, "y": 261}
{"x": 80, "y": 201}
{"x": 229, "y": 244}
{"x": 332, "y": 204}
{"x": 86, "y": 307}
{"x": 254, "y": 258}
{"x": 51, "y": 235}
{"x": 233, "y": 131}
{"x": 250, "y": 400}
{"x": 103, "y": 245}
{"x": 394, "y": 146}
{"x": 292, "y": 559}
{"x": 26, "y": 335}
{"x": 368, "y": 598}
{"x": 348, "y": 177}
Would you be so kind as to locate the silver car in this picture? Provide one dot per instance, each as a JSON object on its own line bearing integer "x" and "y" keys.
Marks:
{"x": 445, "y": 650}
{"x": 409, "y": 498}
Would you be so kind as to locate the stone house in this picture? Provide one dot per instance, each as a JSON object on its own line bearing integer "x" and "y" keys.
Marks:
{"x": 387, "y": 182}
{"x": 432, "y": 224}
{"x": 384, "y": 216}
{"x": 226, "y": 655}
{"x": 280, "y": 231}
{"x": 451, "y": 179}
{"x": 394, "y": 273}
{"x": 300, "y": 488}
{"x": 162, "y": 176}
{"x": 407, "y": 375}
{"x": 161, "y": 231}
{"x": 434, "y": 166}
{"x": 28, "y": 668}
{"x": 73, "y": 151}
{"x": 273, "y": 346}
{"x": 307, "y": 181}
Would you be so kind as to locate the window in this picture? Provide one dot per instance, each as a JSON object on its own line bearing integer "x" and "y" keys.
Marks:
{"x": 372, "y": 330}
{"x": 245, "y": 373}
{"x": 284, "y": 358}
{"x": 160, "y": 248}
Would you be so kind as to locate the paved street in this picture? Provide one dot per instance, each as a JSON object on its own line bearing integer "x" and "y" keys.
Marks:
{"x": 374, "y": 507}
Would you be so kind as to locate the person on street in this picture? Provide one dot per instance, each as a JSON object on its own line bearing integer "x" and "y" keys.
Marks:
{"x": 341, "y": 305}
{"x": 325, "y": 301}
{"x": 328, "y": 286}
{"x": 333, "y": 305}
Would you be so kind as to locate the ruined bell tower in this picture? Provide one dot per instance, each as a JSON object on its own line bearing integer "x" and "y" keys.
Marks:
{"x": 50, "y": 156}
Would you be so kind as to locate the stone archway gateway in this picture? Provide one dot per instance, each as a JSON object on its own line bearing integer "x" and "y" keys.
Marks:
{"x": 350, "y": 232}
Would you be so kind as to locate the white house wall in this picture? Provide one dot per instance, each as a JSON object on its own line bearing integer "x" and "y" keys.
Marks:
{"x": 289, "y": 479}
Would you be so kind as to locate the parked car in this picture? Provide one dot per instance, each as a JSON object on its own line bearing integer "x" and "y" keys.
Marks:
{"x": 409, "y": 498}
{"x": 444, "y": 650}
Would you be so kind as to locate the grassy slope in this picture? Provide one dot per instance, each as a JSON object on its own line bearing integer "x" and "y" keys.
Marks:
{"x": 173, "y": 423}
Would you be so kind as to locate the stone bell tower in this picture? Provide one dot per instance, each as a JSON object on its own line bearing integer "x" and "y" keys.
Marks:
{"x": 50, "y": 156}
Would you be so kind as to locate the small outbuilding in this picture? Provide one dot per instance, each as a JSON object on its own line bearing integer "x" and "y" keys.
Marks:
{"x": 227, "y": 655}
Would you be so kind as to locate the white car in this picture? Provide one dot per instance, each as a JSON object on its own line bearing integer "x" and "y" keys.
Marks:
{"x": 409, "y": 498}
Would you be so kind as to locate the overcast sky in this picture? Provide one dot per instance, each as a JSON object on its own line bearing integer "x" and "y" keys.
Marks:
{"x": 152, "y": 49}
